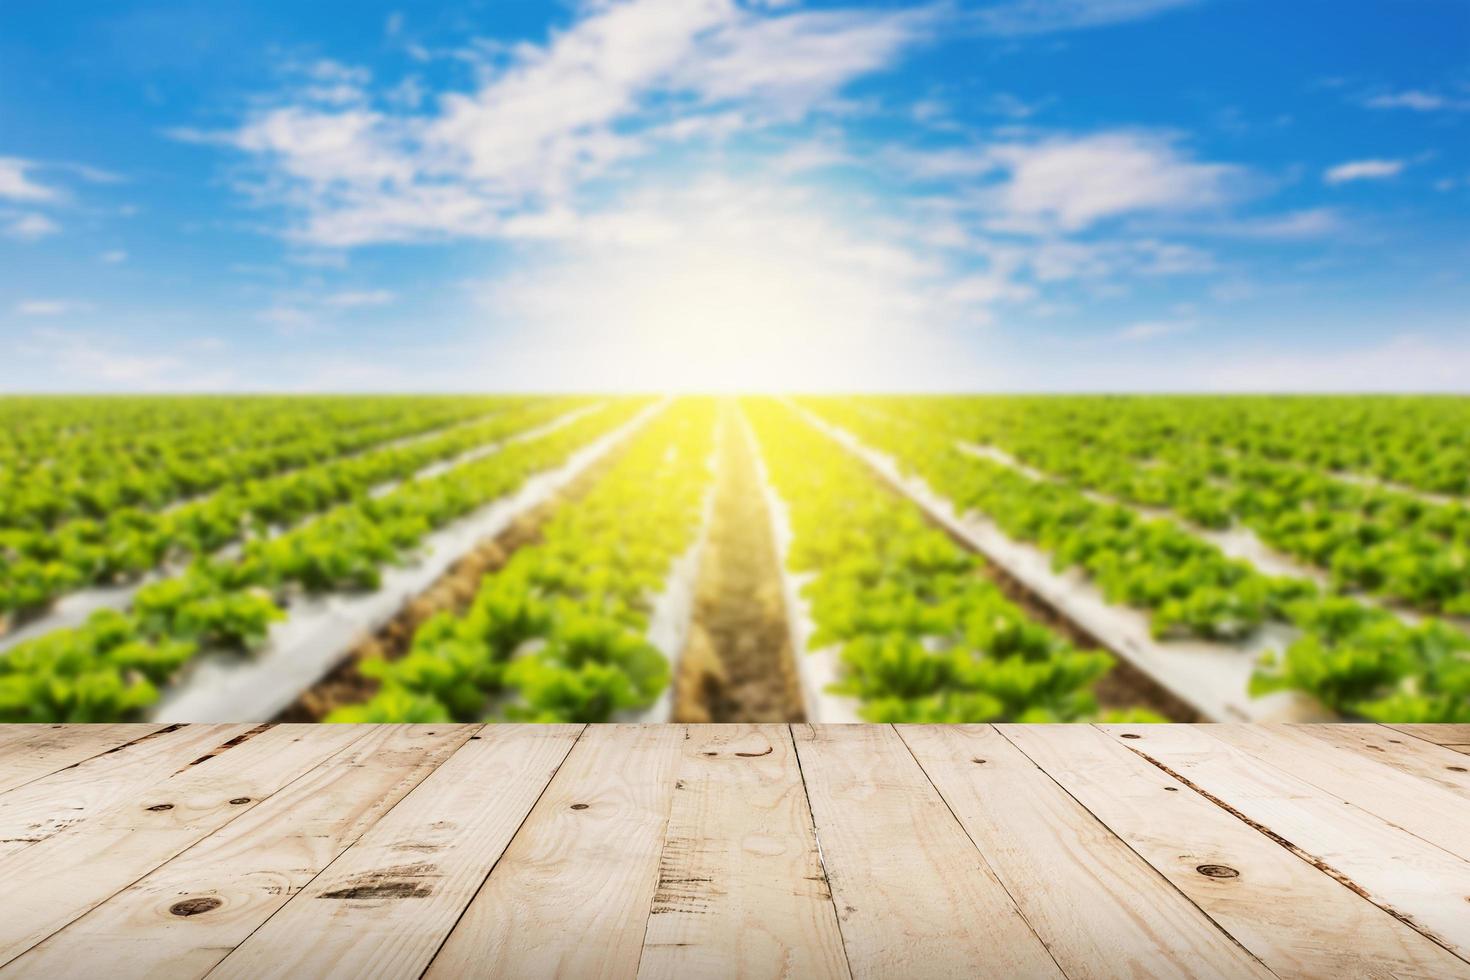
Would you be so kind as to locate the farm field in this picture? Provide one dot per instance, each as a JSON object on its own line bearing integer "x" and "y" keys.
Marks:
{"x": 825, "y": 559}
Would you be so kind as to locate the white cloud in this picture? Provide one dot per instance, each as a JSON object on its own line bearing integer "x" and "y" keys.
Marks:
{"x": 49, "y": 307}
{"x": 113, "y": 256}
{"x": 1073, "y": 183}
{"x": 408, "y": 94}
{"x": 17, "y": 185}
{"x": 1362, "y": 170}
{"x": 1020, "y": 17}
{"x": 1057, "y": 260}
{"x": 1417, "y": 101}
{"x": 1069, "y": 183}
{"x": 547, "y": 119}
{"x": 351, "y": 299}
{"x": 948, "y": 163}
{"x": 29, "y": 227}
{"x": 328, "y": 82}
{"x": 1146, "y": 330}
{"x": 790, "y": 63}
{"x": 814, "y": 154}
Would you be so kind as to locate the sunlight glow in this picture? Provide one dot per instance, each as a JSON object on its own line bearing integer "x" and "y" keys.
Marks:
{"x": 715, "y": 319}
{"x": 727, "y": 287}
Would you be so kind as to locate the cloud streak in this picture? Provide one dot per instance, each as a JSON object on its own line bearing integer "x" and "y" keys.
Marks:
{"x": 1417, "y": 100}
{"x": 1345, "y": 173}
{"x": 49, "y": 307}
{"x": 28, "y": 226}
{"x": 16, "y": 183}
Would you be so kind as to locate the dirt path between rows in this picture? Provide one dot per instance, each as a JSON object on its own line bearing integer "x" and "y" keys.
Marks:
{"x": 737, "y": 663}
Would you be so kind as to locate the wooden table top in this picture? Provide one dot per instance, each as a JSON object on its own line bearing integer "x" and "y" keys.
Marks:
{"x": 690, "y": 851}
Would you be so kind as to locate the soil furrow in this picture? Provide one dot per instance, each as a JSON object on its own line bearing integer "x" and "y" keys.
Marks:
{"x": 737, "y": 664}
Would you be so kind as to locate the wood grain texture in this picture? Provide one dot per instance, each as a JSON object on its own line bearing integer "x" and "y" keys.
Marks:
{"x": 46, "y": 806}
{"x": 1297, "y": 920}
{"x": 1055, "y": 857}
{"x": 16, "y": 732}
{"x": 1439, "y": 764}
{"x": 573, "y": 893}
{"x": 1457, "y": 735}
{"x": 1410, "y": 877}
{"x": 741, "y": 890}
{"x": 842, "y": 851}
{"x": 387, "y": 903}
{"x": 51, "y": 884}
{"x": 45, "y": 749}
{"x": 914, "y": 897}
{"x": 182, "y": 919}
{"x": 1421, "y": 786}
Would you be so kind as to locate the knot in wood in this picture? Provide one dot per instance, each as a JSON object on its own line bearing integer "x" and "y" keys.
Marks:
{"x": 1217, "y": 871}
{"x": 195, "y": 906}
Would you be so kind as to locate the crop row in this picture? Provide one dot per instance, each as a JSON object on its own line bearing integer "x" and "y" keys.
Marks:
{"x": 923, "y": 634}
{"x": 1355, "y": 658}
{"x": 111, "y": 666}
{"x": 43, "y": 430}
{"x": 92, "y": 479}
{"x": 559, "y": 632}
{"x": 1388, "y": 543}
{"x": 1414, "y": 441}
{"x": 37, "y": 566}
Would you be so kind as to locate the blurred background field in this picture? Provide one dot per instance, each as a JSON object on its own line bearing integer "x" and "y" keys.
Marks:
{"x": 894, "y": 558}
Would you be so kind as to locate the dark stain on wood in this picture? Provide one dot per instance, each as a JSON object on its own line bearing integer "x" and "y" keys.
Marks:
{"x": 228, "y": 744}
{"x": 399, "y": 881}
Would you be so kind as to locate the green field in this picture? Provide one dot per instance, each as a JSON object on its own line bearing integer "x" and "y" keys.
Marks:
{"x": 967, "y": 558}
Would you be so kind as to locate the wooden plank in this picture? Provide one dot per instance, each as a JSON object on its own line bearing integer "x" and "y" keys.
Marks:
{"x": 50, "y": 884}
{"x": 1457, "y": 735}
{"x": 1054, "y": 858}
{"x": 54, "y": 748}
{"x": 911, "y": 889}
{"x": 43, "y": 807}
{"x": 16, "y": 732}
{"x": 1297, "y": 920}
{"x": 386, "y": 904}
{"x": 571, "y": 896}
{"x": 741, "y": 890}
{"x": 1436, "y": 814}
{"x": 182, "y": 919}
{"x": 1437, "y": 764}
{"x": 1416, "y": 880}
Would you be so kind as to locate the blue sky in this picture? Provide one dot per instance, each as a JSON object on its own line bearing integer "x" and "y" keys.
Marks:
{"x": 1022, "y": 194}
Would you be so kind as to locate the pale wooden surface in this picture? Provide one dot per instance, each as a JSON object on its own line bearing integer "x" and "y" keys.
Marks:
{"x": 721, "y": 851}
